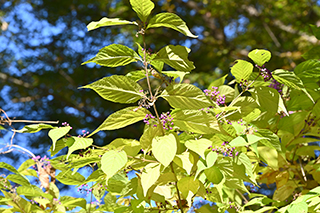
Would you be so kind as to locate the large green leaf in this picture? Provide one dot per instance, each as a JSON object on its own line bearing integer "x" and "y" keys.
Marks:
{"x": 30, "y": 190}
{"x": 176, "y": 74}
{"x": 269, "y": 99}
{"x": 199, "y": 146}
{"x": 57, "y": 133}
{"x": 104, "y": 22}
{"x": 114, "y": 55}
{"x": 196, "y": 121}
{"x": 269, "y": 156}
{"x": 8, "y": 167}
{"x": 136, "y": 75}
{"x": 185, "y": 161}
{"x": 112, "y": 161}
{"x": 130, "y": 146}
{"x": 308, "y": 69}
{"x": 176, "y": 57}
{"x": 19, "y": 179}
{"x": 313, "y": 53}
{"x": 271, "y": 141}
{"x": 211, "y": 158}
{"x": 26, "y": 164}
{"x": 213, "y": 174}
{"x": 148, "y": 134}
{"x": 186, "y": 96}
{"x": 122, "y": 118}
{"x": 79, "y": 143}
{"x": 72, "y": 202}
{"x": 172, "y": 21}
{"x": 187, "y": 184}
{"x": 143, "y": 8}
{"x": 260, "y": 57}
{"x": 241, "y": 70}
{"x": 164, "y": 148}
{"x": 68, "y": 177}
{"x": 33, "y": 128}
{"x": 291, "y": 80}
{"x": 149, "y": 176}
{"x": 117, "y": 88}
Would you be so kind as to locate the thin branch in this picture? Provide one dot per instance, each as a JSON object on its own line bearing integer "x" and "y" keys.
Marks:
{"x": 176, "y": 185}
{"x": 243, "y": 197}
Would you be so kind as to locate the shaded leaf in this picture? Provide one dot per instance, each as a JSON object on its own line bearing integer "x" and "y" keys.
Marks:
{"x": 79, "y": 143}
{"x": 313, "y": 53}
{"x": 176, "y": 57}
{"x": 213, "y": 174}
{"x": 69, "y": 177}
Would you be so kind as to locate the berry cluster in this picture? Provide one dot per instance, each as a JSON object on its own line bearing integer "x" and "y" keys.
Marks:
{"x": 84, "y": 188}
{"x": 165, "y": 120}
{"x": 243, "y": 82}
{"x": 265, "y": 73}
{"x": 66, "y": 124}
{"x": 225, "y": 150}
{"x": 276, "y": 85}
{"x": 214, "y": 95}
{"x": 44, "y": 161}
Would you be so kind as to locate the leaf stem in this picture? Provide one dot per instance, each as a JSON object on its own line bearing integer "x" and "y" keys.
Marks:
{"x": 176, "y": 184}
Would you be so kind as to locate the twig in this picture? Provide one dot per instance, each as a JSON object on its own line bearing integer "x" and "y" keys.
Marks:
{"x": 178, "y": 192}
{"x": 243, "y": 197}
{"x": 30, "y": 121}
{"x": 302, "y": 170}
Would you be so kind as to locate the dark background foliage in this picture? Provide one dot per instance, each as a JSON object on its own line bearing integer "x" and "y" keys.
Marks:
{"x": 44, "y": 42}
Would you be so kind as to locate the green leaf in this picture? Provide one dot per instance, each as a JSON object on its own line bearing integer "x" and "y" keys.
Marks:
{"x": 308, "y": 69}
{"x": 57, "y": 133}
{"x": 269, "y": 156}
{"x": 136, "y": 75}
{"x": 185, "y": 161}
{"x": 238, "y": 141}
{"x": 315, "y": 31}
{"x": 301, "y": 207}
{"x": 117, "y": 183}
{"x": 2, "y": 128}
{"x": 218, "y": 82}
{"x": 313, "y": 53}
{"x": 104, "y": 22}
{"x": 271, "y": 141}
{"x": 148, "y": 134}
{"x": 68, "y": 177}
{"x": 112, "y": 161}
{"x": 213, "y": 174}
{"x": 31, "y": 190}
{"x": 114, "y": 55}
{"x": 187, "y": 184}
{"x": 25, "y": 165}
{"x": 269, "y": 99}
{"x": 8, "y": 167}
{"x": 291, "y": 80}
{"x": 176, "y": 57}
{"x": 260, "y": 57}
{"x": 122, "y": 118}
{"x": 95, "y": 176}
{"x": 143, "y": 8}
{"x": 117, "y": 88}
{"x": 199, "y": 146}
{"x": 60, "y": 144}
{"x": 176, "y": 74}
{"x": 244, "y": 159}
{"x": 211, "y": 158}
{"x": 186, "y": 96}
{"x": 79, "y": 143}
{"x": 33, "y": 128}
{"x": 196, "y": 121}
{"x": 130, "y": 146}
{"x": 226, "y": 91}
{"x": 19, "y": 179}
{"x": 241, "y": 70}
{"x": 164, "y": 148}
{"x": 172, "y": 21}
{"x": 72, "y": 202}
{"x": 284, "y": 191}
{"x": 149, "y": 176}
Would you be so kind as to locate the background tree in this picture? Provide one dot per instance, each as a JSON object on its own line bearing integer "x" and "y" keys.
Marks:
{"x": 46, "y": 41}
